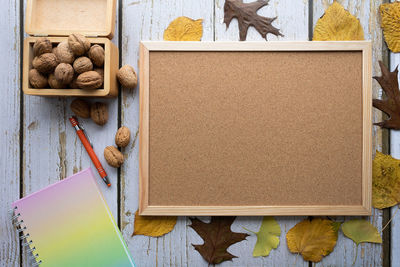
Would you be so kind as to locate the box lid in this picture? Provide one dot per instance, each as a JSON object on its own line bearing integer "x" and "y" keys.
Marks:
{"x": 63, "y": 17}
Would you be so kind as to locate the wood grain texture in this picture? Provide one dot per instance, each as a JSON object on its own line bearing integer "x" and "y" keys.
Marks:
{"x": 97, "y": 19}
{"x": 395, "y": 152}
{"x": 52, "y": 150}
{"x": 367, "y": 12}
{"x": 9, "y": 129}
{"x": 293, "y": 22}
{"x": 147, "y": 20}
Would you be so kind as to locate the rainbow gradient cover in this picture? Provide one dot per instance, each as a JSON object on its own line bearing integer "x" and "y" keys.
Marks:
{"x": 70, "y": 224}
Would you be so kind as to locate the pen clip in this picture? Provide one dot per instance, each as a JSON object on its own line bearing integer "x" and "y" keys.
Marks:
{"x": 86, "y": 134}
{"x": 79, "y": 126}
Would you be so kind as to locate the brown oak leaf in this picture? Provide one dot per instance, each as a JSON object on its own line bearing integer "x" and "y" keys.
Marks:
{"x": 217, "y": 236}
{"x": 391, "y": 104}
{"x": 246, "y": 14}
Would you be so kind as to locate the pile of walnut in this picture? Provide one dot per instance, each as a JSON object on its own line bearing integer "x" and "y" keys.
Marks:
{"x": 74, "y": 63}
{"x": 113, "y": 156}
{"x": 98, "y": 112}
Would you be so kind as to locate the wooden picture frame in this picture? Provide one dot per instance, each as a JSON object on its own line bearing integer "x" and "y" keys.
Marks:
{"x": 364, "y": 208}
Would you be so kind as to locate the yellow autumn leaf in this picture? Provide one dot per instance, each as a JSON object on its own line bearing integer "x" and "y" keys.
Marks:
{"x": 385, "y": 181}
{"x": 337, "y": 24}
{"x": 184, "y": 29}
{"x": 313, "y": 239}
{"x": 390, "y": 23}
{"x": 153, "y": 225}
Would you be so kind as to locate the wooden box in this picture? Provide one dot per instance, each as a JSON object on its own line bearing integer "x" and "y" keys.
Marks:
{"x": 56, "y": 19}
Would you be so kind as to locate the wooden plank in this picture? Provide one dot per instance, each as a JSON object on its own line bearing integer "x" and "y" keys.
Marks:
{"x": 244, "y": 250}
{"x": 9, "y": 128}
{"x": 344, "y": 253}
{"x": 52, "y": 150}
{"x": 101, "y": 137}
{"x": 394, "y": 211}
{"x": 147, "y": 20}
{"x": 293, "y": 22}
{"x": 395, "y": 152}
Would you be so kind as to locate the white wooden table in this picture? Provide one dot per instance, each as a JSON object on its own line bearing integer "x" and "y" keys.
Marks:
{"x": 39, "y": 147}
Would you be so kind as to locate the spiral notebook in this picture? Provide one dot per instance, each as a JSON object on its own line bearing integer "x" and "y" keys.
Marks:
{"x": 69, "y": 224}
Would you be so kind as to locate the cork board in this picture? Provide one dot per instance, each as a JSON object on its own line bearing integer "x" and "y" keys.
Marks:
{"x": 255, "y": 128}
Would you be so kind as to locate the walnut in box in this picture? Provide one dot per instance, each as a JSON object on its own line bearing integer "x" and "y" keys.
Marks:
{"x": 57, "y": 19}
{"x": 111, "y": 64}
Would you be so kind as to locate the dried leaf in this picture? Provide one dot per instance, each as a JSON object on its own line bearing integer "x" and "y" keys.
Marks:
{"x": 337, "y": 24}
{"x": 313, "y": 239}
{"x": 246, "y": 14}
{"x": 184, "y": 29}
{"x": 391, "y": 104}
{"x": 361, "y": 231}
{"x": 390, "y": 23}
{"x": 217, "y": 236}
{"x": 153, "y": 225}
{"x": 385, "y": 181}
{"x": 267, "y": 237}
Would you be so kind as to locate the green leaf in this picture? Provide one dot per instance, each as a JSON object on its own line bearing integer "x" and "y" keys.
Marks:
{"x": 361, "y": 231}
{"x": 267, "y": 237}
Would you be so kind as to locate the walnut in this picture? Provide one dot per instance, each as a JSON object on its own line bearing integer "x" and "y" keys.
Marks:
{"x": 99, "y": 113}
{"x": 122, "y": 137}
{"x": 78, "y": 43}
{"x": 82, "y": 64}
{"x": 45, "y": 63}
{"x": 54, "y": 83}
{"x": 113, "y": 156}
{"x": 96, "y": 54}
{"x": 64, "y": 53}
{"x": 101, "y": 72}
{"x": 81, "y": 108}
{"x": 127, "y": 77}
{"x": 36, "y": 79}
{"x": 64, "y": 73}
{"x": 89, "y": 80}
{"x": 54, "y": 51}
{"x": 41, "y": 46}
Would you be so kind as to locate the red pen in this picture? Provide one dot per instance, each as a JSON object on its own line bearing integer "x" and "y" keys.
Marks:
{"x": 89, "y": 149}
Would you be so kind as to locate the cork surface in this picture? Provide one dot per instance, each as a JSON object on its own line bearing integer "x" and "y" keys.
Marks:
{"x": 255, "y": 128}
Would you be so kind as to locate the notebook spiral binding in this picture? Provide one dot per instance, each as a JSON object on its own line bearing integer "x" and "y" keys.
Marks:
{"x": 25, "y": 237}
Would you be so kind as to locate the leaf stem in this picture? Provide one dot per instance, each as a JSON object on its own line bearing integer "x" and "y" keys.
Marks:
{"x": 387, "y": 224}
{"x": 295, "y": 259}
{"x": 355, "y": 258}
{"x": 248, "y": 230}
